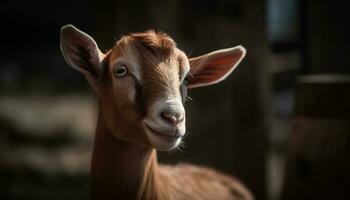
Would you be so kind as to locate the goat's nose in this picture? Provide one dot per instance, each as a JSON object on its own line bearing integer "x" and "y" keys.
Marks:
{"x": 172, "y": 117}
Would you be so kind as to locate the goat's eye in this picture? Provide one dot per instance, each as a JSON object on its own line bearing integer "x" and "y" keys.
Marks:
{"x": 120, "y": 71}
{"x": 186, "y": 79}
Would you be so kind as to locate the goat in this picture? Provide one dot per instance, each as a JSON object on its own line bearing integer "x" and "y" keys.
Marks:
{"x": 141, "y": 84}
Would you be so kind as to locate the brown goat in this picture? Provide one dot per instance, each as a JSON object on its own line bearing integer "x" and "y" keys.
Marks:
{"x": 142, "y": 84}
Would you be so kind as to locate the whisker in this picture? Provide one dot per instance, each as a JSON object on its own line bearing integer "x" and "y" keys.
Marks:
{"x": 189, "y": 98}
{"x": 189, "y": 55}
{"x": 181, "y": 146}
{"x": 178, "y": 148}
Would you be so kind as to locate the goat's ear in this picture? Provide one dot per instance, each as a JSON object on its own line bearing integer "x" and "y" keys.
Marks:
{"x": 81, "y": 52}
{"x": 214, "y": 67}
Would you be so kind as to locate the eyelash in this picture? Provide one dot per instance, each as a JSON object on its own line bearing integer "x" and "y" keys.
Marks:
{"x": 183, "y": 88}
{"x": 186, "y": 78}
{"x": 122, "y": 73}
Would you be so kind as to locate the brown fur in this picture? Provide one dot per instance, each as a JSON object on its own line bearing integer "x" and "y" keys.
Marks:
{"x": 121, "y": 170}
{"x": 162, "y": 64}
{"x": 124, "y": 163}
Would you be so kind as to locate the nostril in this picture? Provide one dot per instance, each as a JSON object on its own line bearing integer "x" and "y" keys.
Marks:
{"x": 181, "y": 118}
{"x": 171, "y": 117}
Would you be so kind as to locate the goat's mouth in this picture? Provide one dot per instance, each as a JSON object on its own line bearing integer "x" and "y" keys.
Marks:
{"x": 163, "y": 140}
{"x": 170, "y": 134}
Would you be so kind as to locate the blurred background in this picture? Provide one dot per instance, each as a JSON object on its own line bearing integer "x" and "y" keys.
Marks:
{"x": 280, "y": 122}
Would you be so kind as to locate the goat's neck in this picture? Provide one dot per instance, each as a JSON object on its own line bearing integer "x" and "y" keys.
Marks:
{"x": 121, "y": 170}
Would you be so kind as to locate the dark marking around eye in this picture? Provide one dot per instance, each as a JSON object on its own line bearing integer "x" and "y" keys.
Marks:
{"x": 183, "y": 88}
{"x": 186, "y": 79}
{"x": 139, "y": 99}
{"x": 183, "y": 91}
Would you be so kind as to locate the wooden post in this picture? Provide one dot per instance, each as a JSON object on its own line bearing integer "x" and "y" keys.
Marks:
{"x": 319, "y": 152}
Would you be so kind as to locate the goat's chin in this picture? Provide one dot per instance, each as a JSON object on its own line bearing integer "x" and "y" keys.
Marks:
{"x": 162, "y": 143}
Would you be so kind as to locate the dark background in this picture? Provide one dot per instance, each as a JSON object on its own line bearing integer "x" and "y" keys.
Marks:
{"x": 241, "y": 126}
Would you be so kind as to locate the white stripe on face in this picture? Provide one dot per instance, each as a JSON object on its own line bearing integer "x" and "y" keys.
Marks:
{"x": 168, "y": 101}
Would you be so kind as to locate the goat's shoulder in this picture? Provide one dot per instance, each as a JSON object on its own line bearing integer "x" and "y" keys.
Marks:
{"x": 197, "y": 182}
